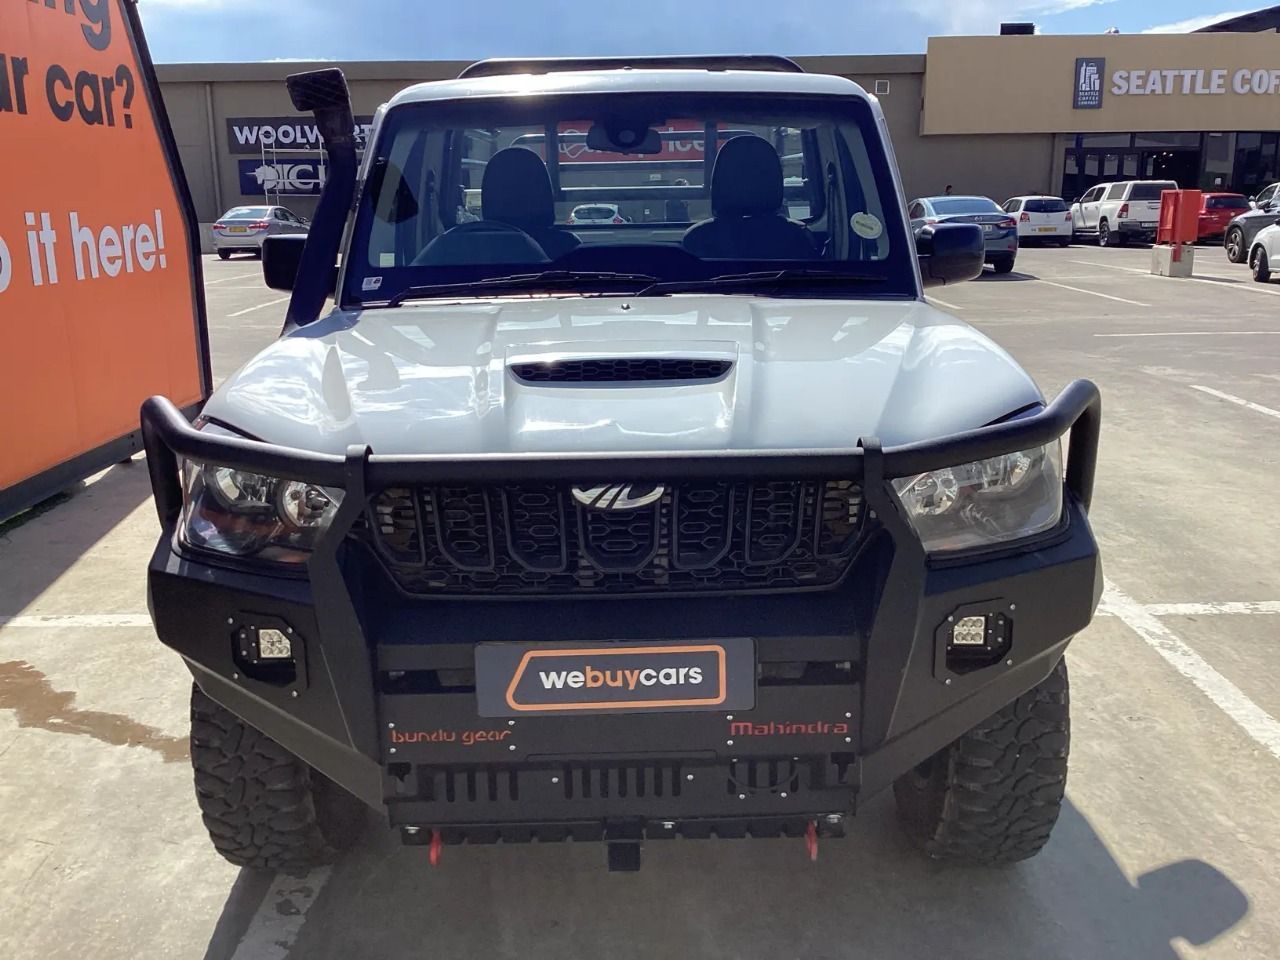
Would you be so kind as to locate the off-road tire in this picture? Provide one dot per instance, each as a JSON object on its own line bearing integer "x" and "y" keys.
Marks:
{"x": 224, "y": 254}
{"x": 994, "y": 795}
{"x": 1105, "y": 237}
{"x": 262, "y": 806}
{"x": 1260, "y": 265}
{"x": 1233, "y": 243}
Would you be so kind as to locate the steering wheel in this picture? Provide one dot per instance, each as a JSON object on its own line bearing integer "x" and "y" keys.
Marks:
{"x": 516, "y": 246}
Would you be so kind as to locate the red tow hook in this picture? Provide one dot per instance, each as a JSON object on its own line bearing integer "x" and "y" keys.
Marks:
{"x": 811, "y": 839}
{"x": 433, "y": 850}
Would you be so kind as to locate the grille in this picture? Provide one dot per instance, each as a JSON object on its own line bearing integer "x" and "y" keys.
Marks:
{"x": 620, "y": 370}
{"x": 536, "y": 539}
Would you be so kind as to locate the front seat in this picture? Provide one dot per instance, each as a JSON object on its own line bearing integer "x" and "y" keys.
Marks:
{"x": 516, "y": 189}
{"x": 515, "y": 193}
{"x": 746, "y": 195}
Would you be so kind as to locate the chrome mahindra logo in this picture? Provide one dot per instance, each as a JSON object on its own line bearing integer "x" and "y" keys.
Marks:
{"x": 618, "y": 496}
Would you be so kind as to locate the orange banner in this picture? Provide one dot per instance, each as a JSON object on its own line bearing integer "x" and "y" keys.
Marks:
{"x": 100, "y": 298}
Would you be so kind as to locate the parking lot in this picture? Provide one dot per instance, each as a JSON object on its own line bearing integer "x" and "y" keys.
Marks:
{"x": 1169, "y": 845}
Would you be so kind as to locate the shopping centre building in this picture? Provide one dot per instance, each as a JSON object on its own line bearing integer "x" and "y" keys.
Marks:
{"x": 994, "y": 115}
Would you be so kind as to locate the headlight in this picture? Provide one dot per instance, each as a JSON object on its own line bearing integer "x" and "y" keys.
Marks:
{"x": 986, "y": 502}
{"x": 251, "y": 515}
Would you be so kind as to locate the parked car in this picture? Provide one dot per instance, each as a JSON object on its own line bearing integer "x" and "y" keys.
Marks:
{"x": 1241, "y": 231}
{"x": 713, "y": 532}
{"x": 999, "y": 230}
{"x": 1116, "y": 213}
{"x": 1041, "y": 219}
{"x": 242, "y": 229}
{"x": 1264, "y": 255}
{"x": 1217, "y": 210}
{"x": 595, "y": 214}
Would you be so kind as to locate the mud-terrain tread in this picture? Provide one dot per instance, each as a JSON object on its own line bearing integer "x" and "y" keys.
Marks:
{"x": 994, "y": 795}
{"x": 258, "y": 801}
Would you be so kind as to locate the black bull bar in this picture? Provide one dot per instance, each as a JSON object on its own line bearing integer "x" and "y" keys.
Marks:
{"x": 342, "y": 731}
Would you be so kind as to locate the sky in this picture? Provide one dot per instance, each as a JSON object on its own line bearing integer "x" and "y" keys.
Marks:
{"x": 229, "y": 30}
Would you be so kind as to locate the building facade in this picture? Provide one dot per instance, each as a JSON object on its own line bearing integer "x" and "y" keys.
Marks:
{"x": 998, "y": 116}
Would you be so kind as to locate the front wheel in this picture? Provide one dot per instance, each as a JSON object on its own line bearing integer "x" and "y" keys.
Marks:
{"x": 1234, "y": 244}
{"x": 1259, "y": 265}
{"x": 262, "y": 806}
{"x": 994, "y": 795}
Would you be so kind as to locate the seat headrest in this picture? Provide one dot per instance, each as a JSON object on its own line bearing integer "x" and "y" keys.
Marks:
{"x": 516, "y": 189}
{"x": 746, "y": 179}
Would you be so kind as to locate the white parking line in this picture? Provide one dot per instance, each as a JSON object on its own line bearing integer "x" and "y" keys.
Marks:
{"x": 1229, "y": 698}
{"x": 274, "y": 928}
{"x": 1208, "y": 609}
{"x": 77, "y": 620}
{"x": 1093, "y": 293}
{"x": 260, "y": 306}
{"x": 238, "y": 276}
{"x": 1240, "y": 401}
{"x": 1215, "y": 279}
{"x": 942, "y": 303}
{"x": 1111, "y": 266}
{"x": 1198, "y": 333}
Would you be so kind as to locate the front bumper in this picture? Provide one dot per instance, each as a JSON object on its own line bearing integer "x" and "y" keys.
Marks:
{"x": 875, "y": 692}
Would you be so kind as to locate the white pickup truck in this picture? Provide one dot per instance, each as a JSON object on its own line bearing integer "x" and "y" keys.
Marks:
{"x": 1118, "y": 212}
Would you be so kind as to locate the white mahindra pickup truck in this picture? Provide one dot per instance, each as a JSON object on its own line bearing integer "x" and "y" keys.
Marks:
{"x": 698, "y": 520}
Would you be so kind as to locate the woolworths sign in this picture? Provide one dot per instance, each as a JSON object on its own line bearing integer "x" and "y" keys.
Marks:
{"x": 255, "y": 134}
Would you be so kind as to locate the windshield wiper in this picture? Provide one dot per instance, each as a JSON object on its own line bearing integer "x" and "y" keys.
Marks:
{"x": 546, "y": 280}
{"x": 761, "y": 280}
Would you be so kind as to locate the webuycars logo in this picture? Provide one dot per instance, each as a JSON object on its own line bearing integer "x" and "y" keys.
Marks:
{"x": 626, "y": 677}
{"x": 591, "y": 678}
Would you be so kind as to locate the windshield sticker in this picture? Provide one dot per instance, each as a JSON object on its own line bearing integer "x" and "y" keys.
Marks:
{"x": 866, "y": 225}
{"x": 386, "y": 259}
{"x": 371, "y": 283}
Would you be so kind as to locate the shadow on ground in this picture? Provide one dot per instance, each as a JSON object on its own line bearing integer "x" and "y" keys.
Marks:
{"x": 870, "y": 895}
{"x": 39, "y": 546}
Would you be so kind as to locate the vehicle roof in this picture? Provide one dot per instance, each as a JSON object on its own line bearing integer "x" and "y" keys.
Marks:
{"x": 954, "y": 196}
{"x": 1036, "y": 196}
{"x": 631, "y": 81}
{"x": 1222, "y": 193}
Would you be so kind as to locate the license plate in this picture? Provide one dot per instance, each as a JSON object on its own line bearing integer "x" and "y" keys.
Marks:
{"x": 1148, "y": 224}
{"x": 1046, "y": 229}
{"x": 518, "y": 679}
{"x": 238, "y": 230}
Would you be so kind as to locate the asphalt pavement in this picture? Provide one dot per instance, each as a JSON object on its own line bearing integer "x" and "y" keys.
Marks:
{"x": 1169, "y": 846}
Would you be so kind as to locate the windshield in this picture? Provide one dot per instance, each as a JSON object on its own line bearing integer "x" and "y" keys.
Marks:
{"x": 949, "y": 205}
{"x": 1046, "y": 205}
{"x": 676, "y": 188}
{"x": 1150, "y": 191}
{"x": 246, "y": 213}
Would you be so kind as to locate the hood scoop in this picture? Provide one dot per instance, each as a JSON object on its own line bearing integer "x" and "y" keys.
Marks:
{"x": 635, "y": 370}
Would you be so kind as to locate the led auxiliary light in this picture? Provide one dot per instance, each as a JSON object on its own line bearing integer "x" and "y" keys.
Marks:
{"x": 970, "y": 632}
{"x": 274, "y": 645}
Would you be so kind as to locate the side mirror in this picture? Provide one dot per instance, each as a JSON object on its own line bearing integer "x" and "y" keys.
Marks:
{"x": 281, "y": 258}
{"x": 949, "y": 253}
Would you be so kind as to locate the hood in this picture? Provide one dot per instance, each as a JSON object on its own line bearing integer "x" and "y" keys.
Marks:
{"x": 435, "y": 377}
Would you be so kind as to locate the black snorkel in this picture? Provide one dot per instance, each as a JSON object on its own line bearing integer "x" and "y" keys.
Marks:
{"x": 308, "y": 265}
